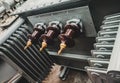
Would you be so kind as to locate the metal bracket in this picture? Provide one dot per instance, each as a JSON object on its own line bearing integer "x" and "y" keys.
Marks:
{"x": 64, "y": 72}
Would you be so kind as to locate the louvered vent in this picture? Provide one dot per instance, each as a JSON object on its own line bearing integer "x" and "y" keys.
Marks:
{"x": 33, "y": 64}
{"x": 103, "y": 49}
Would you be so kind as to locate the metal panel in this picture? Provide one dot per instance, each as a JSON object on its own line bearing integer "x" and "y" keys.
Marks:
{"x": 113, "y": 71}
{"x": 114, "y": 60}
{"x": 83, "y": 44}
{"x": 73, "y": 61}
{"x": 82, "y": 13}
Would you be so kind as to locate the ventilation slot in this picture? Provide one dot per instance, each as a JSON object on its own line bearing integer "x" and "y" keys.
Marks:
{"x": 33, "y": 63}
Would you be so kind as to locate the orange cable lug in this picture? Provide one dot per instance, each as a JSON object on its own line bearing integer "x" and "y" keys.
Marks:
{"x": 44, "y": 45}
{"x": 29, "y": 43}
{"x": 62, "y": 47}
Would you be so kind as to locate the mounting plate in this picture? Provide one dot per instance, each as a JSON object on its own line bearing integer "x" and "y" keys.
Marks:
{"x": 82, "y": 13}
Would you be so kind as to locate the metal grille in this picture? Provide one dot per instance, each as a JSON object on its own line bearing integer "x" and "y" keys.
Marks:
{"x": 103, "y": 49}
{"x": 34, "y": 65}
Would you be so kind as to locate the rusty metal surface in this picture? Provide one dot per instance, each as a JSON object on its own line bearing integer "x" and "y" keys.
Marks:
{"x": 73, "y": 77}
